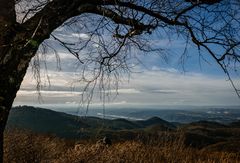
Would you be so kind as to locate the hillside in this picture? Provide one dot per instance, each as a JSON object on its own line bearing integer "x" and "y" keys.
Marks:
{"x": 197, "y": 134}
{"x": 42, "y": 135}
{"x": 46, "y": 121}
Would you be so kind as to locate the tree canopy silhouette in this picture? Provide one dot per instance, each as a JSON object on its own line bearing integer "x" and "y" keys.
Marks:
{"x": 113, "y": 28}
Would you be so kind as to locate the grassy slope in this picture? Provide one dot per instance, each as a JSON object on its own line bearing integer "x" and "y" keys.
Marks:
{"x": 27, "y": 147}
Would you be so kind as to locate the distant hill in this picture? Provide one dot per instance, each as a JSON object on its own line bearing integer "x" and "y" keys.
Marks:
{"x": 236, "y": 124}
{"x": 46, "y": 121}
{"x": 199, "y": 134}
{"x": 222, "y": 115}
{"x": 204, "y": 133}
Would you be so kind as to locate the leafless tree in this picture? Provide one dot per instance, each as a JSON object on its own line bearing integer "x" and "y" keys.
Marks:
{"x": 113, "y": 28}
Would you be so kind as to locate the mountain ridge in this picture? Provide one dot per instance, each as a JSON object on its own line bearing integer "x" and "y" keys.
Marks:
{"x": 41, "y": 120}
{"x": 199, "y": 134}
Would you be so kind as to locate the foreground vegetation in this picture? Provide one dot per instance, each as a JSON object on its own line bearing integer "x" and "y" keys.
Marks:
{"x": 29, "y": 139}
{"x": 25, "y": 147}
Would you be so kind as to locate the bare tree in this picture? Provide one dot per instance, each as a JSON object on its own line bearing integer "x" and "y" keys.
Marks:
{"x": 114, "y": 27}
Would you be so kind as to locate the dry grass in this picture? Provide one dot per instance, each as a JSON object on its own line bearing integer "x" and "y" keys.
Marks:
{"x": 24, "y": 147}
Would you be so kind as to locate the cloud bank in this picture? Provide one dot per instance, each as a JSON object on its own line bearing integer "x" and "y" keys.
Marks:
{"x": 154, "y": 87}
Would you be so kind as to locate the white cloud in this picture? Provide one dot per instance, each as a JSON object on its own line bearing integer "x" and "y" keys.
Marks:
{"x": 81, "y": 35}
{"x": 166, "y": 43}
{"x": 127, "y": 91}
{"x": 49, "y": 93}
{"x": 149, "y": 88}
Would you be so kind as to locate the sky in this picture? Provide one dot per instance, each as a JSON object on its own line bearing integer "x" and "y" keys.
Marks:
{"x": 153, "y": 83}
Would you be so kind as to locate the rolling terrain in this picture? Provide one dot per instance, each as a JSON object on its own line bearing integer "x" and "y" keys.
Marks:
{"x": 42, "y": 135}
{"x": 43, "y": 121}
{"x": 182, "y": 114}
{"x": 64, "y": 125}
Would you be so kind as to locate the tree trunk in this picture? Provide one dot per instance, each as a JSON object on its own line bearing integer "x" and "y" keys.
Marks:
{"x": 14, "y": 61}
{"x": 3, "y": 114}
{"x": 7, "y": 19}
{"x": 8, "y": 90}
{"x": 18, "y": 44}
{"x": 1, "y": 145}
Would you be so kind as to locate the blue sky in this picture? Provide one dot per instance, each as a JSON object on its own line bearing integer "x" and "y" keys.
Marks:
{"x": 153, "y": 83}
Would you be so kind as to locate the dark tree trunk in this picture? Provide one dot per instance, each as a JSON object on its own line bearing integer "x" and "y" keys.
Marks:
{"x": 13, "y": 66}
{"x": 18, "y": 44}
{"x": 12, "y": 71}
{"x": 1, "y": 145}
{"x": 7, "y": 22}
{"x": 15, "y": 56}
{"x": 3, "y": 114}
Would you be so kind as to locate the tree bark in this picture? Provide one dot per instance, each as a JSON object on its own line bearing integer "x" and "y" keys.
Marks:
{"x": 1, "y": 146}
{"x": 18, "y": 44}
{"x": 7, "y": 21}
{"x": 15, "y": 54}
{"x": 11, "y": 77}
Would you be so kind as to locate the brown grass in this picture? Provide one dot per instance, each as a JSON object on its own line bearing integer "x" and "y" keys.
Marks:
{"x": 25, "y": 147}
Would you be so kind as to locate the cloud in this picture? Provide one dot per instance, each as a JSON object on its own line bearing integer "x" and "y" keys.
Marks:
{"x": 161, "y": 84}
{"x": 83, "y": 36}
{"x": 163, "y": 91}
{"x": 49, "y": 93}
{"x": 127, "y": 91}
{"x": 166, "y": 43}
{"x": 174, "y": 88}
{"x": 149, "y": 88}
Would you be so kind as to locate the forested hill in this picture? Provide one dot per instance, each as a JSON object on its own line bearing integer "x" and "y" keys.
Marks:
{"x": 46, "y": 121}
{"x": 196, "y": 134}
